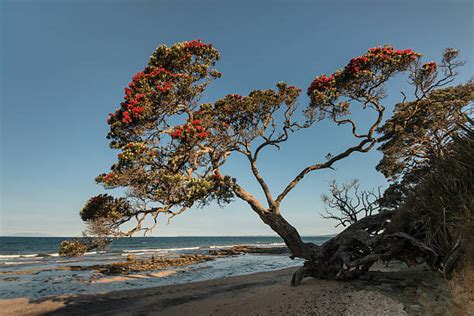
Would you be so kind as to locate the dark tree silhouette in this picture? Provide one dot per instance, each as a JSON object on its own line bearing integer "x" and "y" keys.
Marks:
{"x": 347, "y": 203}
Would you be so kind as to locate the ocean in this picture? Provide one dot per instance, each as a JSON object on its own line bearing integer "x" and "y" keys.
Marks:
{"x": 29, "y": 265}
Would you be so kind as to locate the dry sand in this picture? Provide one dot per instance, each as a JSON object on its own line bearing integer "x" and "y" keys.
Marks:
{"x": 266, "y": 293}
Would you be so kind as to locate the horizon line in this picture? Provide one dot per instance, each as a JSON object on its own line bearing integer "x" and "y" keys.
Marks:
{"x": 174, "y": 236}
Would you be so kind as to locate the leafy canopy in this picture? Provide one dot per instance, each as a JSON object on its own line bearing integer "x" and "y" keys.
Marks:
{"x": 172, "y": 146}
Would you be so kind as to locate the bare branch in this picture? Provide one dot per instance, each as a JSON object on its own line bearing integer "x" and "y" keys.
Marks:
{"x": 349, "y": 203}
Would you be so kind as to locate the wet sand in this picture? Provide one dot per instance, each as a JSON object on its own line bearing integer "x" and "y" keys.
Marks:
{"x": 266, "y": 293}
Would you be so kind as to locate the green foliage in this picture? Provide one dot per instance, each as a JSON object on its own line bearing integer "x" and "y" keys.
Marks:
{"x": 247, "y": 117}
{"x": 105, "y": 206}
{"x": 440, "y": 209}
{"x": 419, "y": 131}
{"x": 169, "y": 165}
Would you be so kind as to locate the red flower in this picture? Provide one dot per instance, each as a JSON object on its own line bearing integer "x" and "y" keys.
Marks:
{"x": 132, "y": 103}
{"x": 138, "y": 110}
{"x": 177, "y": 133}
{"x": 138, "y": 76}
{"x": 127, "y": 92}
{"x": 187, "y": 56}
{"x": 196, "y": 43}
{"x": 429, "y": 67}
{"x": 322, "y": 83}
{"x": 202, "y": 134}
{"x": 126, "y": 119}
{"x": 108, "y": 176}
{"x": 166, "y": 86}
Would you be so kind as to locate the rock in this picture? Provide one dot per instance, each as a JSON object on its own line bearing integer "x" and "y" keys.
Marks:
{"x": 237, "y": 250}
{"x": 10, "y": 279}
{"x": 133, "y": 265}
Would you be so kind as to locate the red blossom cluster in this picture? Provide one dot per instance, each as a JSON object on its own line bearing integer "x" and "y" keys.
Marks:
{"x": 379, "y": 56}
{"x": 196, "y": 43}
{"x": 356, "y": 64}
{"x": 126, "y": 119}
{"x": 187, "y": 56}
{"x": 429, "y": 67}
{"x": 157, "y": 81}
{"x": 388, "y": 52}
{"x": 193, "y": 128}
{"x": 109, "y": 176}
{"x": 164, "y": 87}
{"x": 132, "y": 108}
{"x": 150, "y": 75}
{"x": 375, "y": 58}
{"x": 322, "y": 83}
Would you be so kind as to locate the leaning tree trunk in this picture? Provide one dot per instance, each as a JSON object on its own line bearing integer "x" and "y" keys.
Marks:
{"x": 352, "y": 252}
{"x": 290, "y": 236}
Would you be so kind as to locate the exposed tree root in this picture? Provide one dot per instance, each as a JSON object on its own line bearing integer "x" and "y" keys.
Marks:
{"x": 350, "y": 254}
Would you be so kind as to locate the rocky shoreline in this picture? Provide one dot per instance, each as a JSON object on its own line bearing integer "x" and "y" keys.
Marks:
{"x": 134, "y": 264}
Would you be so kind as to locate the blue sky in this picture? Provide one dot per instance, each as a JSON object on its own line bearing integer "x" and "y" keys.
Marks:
{"x": 64, "y": 65}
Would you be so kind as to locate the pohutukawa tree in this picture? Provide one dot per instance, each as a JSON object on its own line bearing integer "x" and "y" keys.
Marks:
{"x": 172, "y": 146}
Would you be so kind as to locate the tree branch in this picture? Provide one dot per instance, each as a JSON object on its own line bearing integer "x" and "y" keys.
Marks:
{"x": 249, "y": 198}
{"x": 328, "y": 164}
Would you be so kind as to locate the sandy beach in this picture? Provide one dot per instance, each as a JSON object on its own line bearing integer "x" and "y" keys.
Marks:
{"x": 266, "y": 293}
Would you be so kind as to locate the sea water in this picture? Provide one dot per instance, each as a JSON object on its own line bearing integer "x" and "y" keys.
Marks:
{"x": 29, "y": 265}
